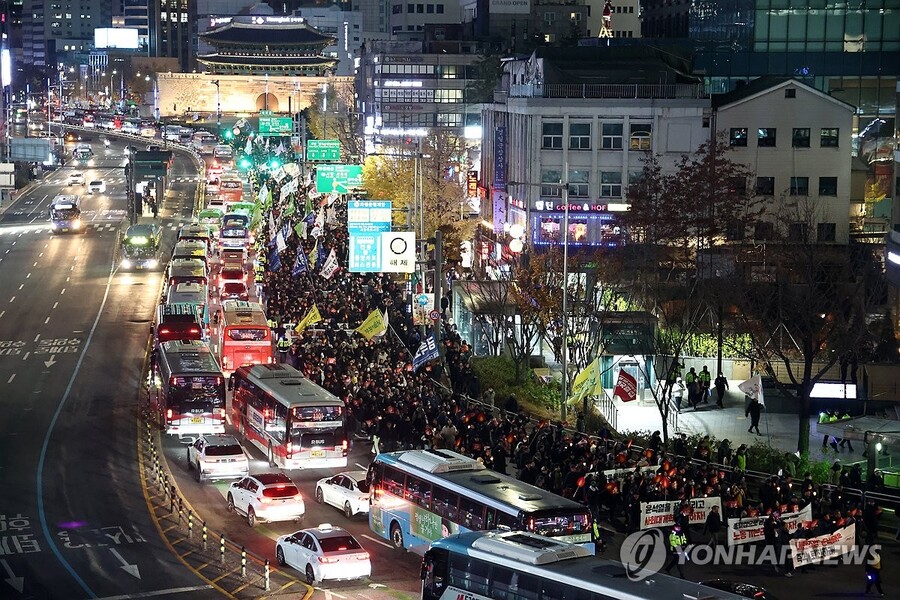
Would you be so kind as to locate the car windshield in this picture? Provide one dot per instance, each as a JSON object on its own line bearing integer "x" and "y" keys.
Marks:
{"x": 339, "y": 543}
{"x": 96, "y": 183}
{"x": 229, "y": 450}
{"x": 281, "y": 491}
{"x": 234, "y": 287}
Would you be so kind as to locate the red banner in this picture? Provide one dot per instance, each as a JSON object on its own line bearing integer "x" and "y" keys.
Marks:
{"x": 626, "y": 387}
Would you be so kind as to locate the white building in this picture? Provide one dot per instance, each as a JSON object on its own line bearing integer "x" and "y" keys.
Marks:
{"x": 591, "y": 135}
{"x": 795, "y": 140}
{"x": 344, "y": 25}
{"x": 409, "y": 18}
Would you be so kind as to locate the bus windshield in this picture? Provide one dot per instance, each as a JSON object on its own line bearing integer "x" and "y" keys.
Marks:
{"x": 309, "y": 416}
{"x": 247, "y": 334}
{"x": 206, "y": 390}
{"x": 64, "y": 214}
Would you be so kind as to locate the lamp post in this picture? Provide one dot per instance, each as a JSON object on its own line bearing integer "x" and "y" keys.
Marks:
{"x": 218, "y": 105}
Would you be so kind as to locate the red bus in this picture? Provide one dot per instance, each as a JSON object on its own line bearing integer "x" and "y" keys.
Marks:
{"x": 190, "y": 389}
{"x": 298, "y": 424}
{"x": 244, "y": 336}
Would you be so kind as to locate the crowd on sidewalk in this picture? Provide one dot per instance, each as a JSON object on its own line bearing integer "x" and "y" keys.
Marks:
{"x": 399, "y": 407}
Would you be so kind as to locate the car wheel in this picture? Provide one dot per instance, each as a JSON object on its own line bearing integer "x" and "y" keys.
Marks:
{"x": 320, "y": 496}
{"x": 397, "y": 536}
{"x": 271, "y": 456}
{"x": 279, "y": 556}
{"x": 310, "y": 575}
{"x": 199, "y": 474}
{"x": 230, "y": 503}
{"x": 348, "y": 510}
{"x": 251, "y": 517}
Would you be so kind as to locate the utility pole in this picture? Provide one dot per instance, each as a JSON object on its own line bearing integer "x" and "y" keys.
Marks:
{"x": 438, "y": 282}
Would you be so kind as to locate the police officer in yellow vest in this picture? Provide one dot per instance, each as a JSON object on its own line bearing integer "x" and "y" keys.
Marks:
{"x": 705, "y": 379}
{"x": 677, "y": 549}
{"x": 284, "y": 346}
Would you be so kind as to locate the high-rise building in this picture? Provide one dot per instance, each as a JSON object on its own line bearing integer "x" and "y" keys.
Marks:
{"x": 408, "y": 19}
{"x": 52, "y": 31}
{"x": 521, "y": 25}
{"x": 136, "y": 15}
{"x": 170, "y": 31}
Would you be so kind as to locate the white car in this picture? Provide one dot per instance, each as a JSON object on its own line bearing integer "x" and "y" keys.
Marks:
{"x": 217, "y": 456}
{"x": 324, "y": 552}
{"x": 76, "y": 179}
{"x": 98, "y": 186}
{"x": 266, "y": 497}
{"x": 347, "y": 491}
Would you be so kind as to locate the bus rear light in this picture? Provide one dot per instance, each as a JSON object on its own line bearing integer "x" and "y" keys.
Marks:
{"x": 173, "y": 381}
{"x": 222, "y": 412}
{"x": 271, "y": 360}
{"x": 344, "y": 448}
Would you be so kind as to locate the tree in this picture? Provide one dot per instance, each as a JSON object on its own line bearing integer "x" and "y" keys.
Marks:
{"x": 391, "y": 175}
{"x": 339, "y": 121}
{"x": 488, "y": 71}
{"x": 804, "y": 305}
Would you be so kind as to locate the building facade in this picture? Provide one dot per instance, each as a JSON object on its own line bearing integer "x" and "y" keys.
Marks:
{"x": 522, "y": 24}
{"x": 53, "y": 31}
{"x": 794, "y": 139}
{"x": 623, "y": 19}
{"x": 545, "y": 129}
{"x": 136, "y": 15}
{"x": 413, "y": 85}
{"x": 345, "y": 26}
{"x": 171, "y": 31}
{"x": 408, "y": 19}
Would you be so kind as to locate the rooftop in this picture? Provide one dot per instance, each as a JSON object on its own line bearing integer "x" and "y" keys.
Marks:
{"x": 267, "y": 35}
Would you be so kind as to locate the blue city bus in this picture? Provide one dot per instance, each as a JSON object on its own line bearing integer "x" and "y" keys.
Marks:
{"x": 65, "y": 214}
{"x": 418, "y": 496}
{"x": 516, "y": 565}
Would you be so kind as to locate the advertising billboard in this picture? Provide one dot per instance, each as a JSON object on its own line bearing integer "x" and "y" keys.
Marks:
{"x": 116, "y": 37}
{"x": 509, "y": 7}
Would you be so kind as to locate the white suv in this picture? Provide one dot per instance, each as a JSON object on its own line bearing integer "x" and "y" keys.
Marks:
{"x": 266, "y": 497}
{"x": 217, "y": 457}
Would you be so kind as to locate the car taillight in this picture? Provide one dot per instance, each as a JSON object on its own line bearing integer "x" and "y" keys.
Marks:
{"x": 344, "y": 447}
{"x": 169, "y": 415}
{"x": 326, "y": 560}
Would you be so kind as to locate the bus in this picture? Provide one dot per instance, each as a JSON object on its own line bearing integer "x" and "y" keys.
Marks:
{"x": 195, "y": 249}
{"x": 231, "y": 190}
{"x": 140, "y": 247}
{"x": 298, "y": 424}
{"x": 65, "y": 214}
{"x": 190, "y": 395}
{"x": 188, "y": 270}
{"x": 211, "y": 218}
{"x": 195, "y": 294}
{"x": 418, "y": 496}
{"x": 83, "y": 153}
{"x": 517, "y": 565}
{"x": 244, "y": 336}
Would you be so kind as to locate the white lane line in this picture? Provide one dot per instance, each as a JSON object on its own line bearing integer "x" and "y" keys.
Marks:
{"x": 181, "y": 590}
{"x": 55, "y": 304}
{"x": 27, "y": 354}
{"x": 62, "y": 291}
{"x": 13, "y": 298}
{"x": 377, "y": 541}
{"x": 40, "y": 255}
{"x": 37, "y": 337}
{"x": 357, "y": 464}
{"x": 67, "y": 279}
{"x": 28, "y": 276}
{"x": 72, "y": 268}
{"x": 2, "y": 312}
{"x": 35, "y": 264}
{"x": 11, "y": 377}
{"x": 47, "y": 320}
{"x": 21, "y": 285}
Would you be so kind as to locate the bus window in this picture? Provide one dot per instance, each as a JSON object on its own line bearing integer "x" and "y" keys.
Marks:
{"x": 445, "y": 503}
{"x": 393, "y": 481}
{"x": 470, "y": 574}
{"x": 501, "y": 580}
{"x": 276, "y": 425}
{"x": 418, "y": 491}
{"x": 471, "y": 513}
{"x": 434, "y": 573}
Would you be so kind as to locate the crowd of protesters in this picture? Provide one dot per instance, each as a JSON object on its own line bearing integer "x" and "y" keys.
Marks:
{"x": 398, "y": 407}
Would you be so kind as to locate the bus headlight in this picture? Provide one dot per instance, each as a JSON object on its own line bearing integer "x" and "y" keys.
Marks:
{"x": 152, "y": 263}
{"x": 76, "y": 224}
{"x": 126, "y": 264}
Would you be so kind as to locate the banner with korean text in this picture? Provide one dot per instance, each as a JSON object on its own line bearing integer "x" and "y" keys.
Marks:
{"x": 750, "y": 529}
{"x": 819, "y": 549}
{"x": 662, "y": 513}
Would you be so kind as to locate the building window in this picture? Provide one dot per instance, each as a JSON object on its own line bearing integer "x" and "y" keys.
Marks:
{"x": 579, "y": 136}
{"x": 551, "y": 136}
{"x": 738, "y": 137}
{"x": 828, "y": 186}
{"x": 799, "y": 186}
{"x": 800, "y": 138}
{"x": 765, "y": 186}
{"x": 420, "y": 8}
{"x": 429, "y": 9}
{"x": 798, "y": 232}
{"x": 612, "y": 136}
{"x": 549, "y": 18}
{"x": 554, "y": 177}
{"x": 610, "y": 184}
{"x": 575, "y": 17}
{"x": 410, "y": 8}
{"x": 763, "y": 231}
{"x": 440, "y": 9}
{"x": 447, "y": 71}
{"x": 735, "y": 231}
{"x": 765, "y": 137}
{"x": 579, "y": 183}
{"x": 790, "y": 92}
{"x": 829, "y": 137}
{"x": 826, "y": 232}
{"x": 640, "y": 136}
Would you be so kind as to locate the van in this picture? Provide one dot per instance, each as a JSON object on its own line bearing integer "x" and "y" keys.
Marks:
{"x": 179, "y": 321}
{"x": 223, "y": 151}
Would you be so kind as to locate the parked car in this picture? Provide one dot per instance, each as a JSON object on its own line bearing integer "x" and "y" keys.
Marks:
{"x": 266, "y": 497}
{"x": 323, "y": 552}
{"x": 346, "y": 491}
{"x": 215, "y": 456}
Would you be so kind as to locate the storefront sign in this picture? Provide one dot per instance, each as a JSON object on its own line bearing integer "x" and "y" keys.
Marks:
{"x": 662, "y": 513}
{"x": 500, "y": 158}
{"x": 556, "y": 206}
{"x": 472, "y": 184}
{"x": 499, "y": 201}
{"x": 750, "y": 529}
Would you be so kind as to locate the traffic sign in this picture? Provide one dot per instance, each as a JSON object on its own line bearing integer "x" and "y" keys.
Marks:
{"x": 434, "y": 315}
{"x": 366, "y": 221}
{"x": 323, "y": 150}
{"x": 422, "y": 299}
{"x": 338, "y": 178}
{"x": 270, "y": 125}
{"x": 398, "y": 252}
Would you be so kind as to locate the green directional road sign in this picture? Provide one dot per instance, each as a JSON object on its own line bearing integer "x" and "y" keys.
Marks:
{"x": 271, "y": 125}
{"x": 323, "y": 150}
{"x": 338, "y": 178}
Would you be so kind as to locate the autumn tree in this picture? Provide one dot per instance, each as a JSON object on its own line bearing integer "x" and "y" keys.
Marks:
{"x": 339, "y": 121}
{"x": 433, "y": 169}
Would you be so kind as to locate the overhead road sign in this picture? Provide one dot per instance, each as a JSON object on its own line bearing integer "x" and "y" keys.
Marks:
{"x": 271, "y": 125}
{"x": 366, "y": 221}
{"x": 338, "y": 178}
{"x": 323, "y": 150}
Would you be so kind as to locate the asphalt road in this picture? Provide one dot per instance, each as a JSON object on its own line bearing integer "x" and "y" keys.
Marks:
{"x": 74, "y": 522}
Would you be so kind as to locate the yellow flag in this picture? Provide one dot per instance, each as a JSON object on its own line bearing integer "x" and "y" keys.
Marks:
{"x": 587, "y": 382}
{"x": 313, "y": 316}
{"x": 373, "y": 325}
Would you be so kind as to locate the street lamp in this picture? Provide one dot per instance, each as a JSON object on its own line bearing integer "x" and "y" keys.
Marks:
{"x": 218, "y": 105}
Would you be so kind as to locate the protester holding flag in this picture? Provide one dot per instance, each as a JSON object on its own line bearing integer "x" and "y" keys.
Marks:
{"x": 754, "y": 410}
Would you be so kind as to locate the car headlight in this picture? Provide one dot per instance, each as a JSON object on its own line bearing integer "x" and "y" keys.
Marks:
{"x": 152, "y": 263}
{"x": 126, "y": 264}
{"x": 54, "y": 225}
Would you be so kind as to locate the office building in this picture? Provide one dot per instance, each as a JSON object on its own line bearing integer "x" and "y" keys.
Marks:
{"x": 54, "y": 32}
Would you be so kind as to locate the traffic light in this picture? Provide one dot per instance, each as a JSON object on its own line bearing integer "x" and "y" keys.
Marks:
{"x": 274, "y": 164}
{"x": 228, "y": 134}
{"x": 245, "y": 163}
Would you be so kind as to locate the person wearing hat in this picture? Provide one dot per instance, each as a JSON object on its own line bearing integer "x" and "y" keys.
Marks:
{"x": 677, "y": 548}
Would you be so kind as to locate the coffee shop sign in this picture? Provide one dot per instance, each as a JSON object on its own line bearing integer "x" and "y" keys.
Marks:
{"x": 549, "y": 205}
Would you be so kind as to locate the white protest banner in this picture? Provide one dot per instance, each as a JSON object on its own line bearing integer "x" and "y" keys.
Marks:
{"x": 662, "y": 513}
{"x": 821, "y": 548}
{"x": 619, "y": 474}
{"x": 750, "y": 529}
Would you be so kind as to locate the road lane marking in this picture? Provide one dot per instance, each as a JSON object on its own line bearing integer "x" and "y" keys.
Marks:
{"x": 13, "y": 298}
{"x": 26, "y": 356}
{"x": 37, "y": 337}
{"x": 2, "y": 312}
{"x": 47, "y": 320}
{"x": 361, "y": 467}
{"x": 21, "y": 285}
{"x": 181, "y": 590}
{"x": 40, "y": 255}
{"x": 62, "y": 291}
{"x": 11, "y": 377}
{"x": 55, "y": 304}
{"x": 377, "y": 541}
{"x": 28, "y": 276}
{"x": 35, "y": 264}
